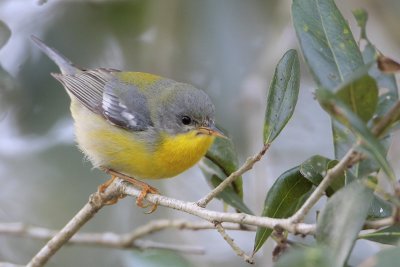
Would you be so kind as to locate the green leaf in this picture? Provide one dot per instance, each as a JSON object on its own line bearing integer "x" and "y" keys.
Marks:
{"x": 350, "y": 94}
{"x": 388, "y": 92}
{"x": 385, "y": 258}
{"x": 329, "y": 49}
{"x": 379, "y": 208}
{"x": 361, "y": 96}
{"x": 326, "y": 41}
{"x": 309, "y": 257}
{"x": 222, "y": 153}
{"x": 214, "y": 177}
{"x": 342, "y": 219}
{"x": 219, "y": 162}
{"x": 282, "y": 95}
{"x": 369, "y": 165}
{"x": 345, "y": 116}
{"x": 389, "y": 235}
{"x": 282, "y": 200}
{"x": 314, "y": 169}
{"x": 5, "y": 34}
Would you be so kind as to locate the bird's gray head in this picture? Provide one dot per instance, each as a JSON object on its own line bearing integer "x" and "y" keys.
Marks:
{"x": 185, "y": 108}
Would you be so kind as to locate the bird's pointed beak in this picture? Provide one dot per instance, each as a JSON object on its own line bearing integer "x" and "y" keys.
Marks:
{"x": 211, "y": 130}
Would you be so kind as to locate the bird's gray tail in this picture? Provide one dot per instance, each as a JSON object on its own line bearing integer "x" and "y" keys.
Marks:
{"x": 62, "y": 62}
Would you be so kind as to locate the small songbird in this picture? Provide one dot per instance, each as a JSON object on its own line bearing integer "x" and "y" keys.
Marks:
{"x": 136, "y": 125}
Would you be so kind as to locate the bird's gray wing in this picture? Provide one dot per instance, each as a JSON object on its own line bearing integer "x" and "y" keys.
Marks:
{"x": 101, "y": 92}
{"x": 125, "y": 106}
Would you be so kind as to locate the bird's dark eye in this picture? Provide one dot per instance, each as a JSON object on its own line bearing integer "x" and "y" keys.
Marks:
{"x": 186, "y": 120}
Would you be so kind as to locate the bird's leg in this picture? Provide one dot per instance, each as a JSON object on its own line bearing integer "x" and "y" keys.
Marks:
{"x": 145, "y": 188}
{"x": 102, "y": 188}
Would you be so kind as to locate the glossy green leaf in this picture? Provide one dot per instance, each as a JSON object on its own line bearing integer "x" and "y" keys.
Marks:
{"x": 329, "y": 49}
{"x": 379, "y": 208}
{"x": 282, "y": 95}
{"x": 369, "y": 165}
{"x": 342, "y": 219}
{"x": 222, "y": 153}
{"x": 315, "y": 168}
{"x": 219, "y": 162}
{"x": 5, "y": 34}
{"x": 326, "y": 41}
{"x": 385, "y": 258}
{"x": 388, "y": 93}
{"x": 351, "y": 92}
{"x": 214, "y": 177}
{"x": 309, "y": 257}
{"x": 345, "y": 116}
{"x": 282, "y": 200}
{"x": 389, "y": 235}
{"x": 361, "y": 96}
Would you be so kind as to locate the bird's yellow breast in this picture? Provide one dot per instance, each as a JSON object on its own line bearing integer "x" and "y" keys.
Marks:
{"x": 124, "y": 151}
{"x": 178, "y": 153}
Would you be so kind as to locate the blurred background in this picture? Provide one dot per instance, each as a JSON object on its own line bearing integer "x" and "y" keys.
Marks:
{"x": 227, "y": 48}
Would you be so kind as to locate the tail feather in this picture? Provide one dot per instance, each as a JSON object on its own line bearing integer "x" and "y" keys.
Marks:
{"x": 65, "y": 65}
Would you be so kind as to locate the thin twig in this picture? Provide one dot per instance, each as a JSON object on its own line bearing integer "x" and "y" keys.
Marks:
{"x": 232, "y": 243}
{"x": 331, "y": 174}
{"x": 248, "y": 165}
{"x": 95, "y": 203}
{"x": 122, "y": 241}
{"x": 391, "y": 116}
{"x": 158, "y": 225}
{"x": 376, "y": 224}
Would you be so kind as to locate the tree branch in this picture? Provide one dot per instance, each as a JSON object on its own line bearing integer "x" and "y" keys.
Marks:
{"x": 248, "y": 165}
{"x": 112, "y": 239}
{"x": 232, "y": 243}
{"x": 124, "y": 241}
{"x": 212, "y": 216}
{"x": 96, "y": 202}
{"x": 158, "y": 225}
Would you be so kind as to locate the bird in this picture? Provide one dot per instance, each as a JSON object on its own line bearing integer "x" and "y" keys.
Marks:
{"x": 135, "y": 125}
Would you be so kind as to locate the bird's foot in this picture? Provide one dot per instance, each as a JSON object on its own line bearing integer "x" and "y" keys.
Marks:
{"x": 145, "y": 188}
{"x": 102, "y": 188}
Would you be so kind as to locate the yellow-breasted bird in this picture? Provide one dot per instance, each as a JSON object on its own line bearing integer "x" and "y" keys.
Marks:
{"x": 133, "y": 124}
